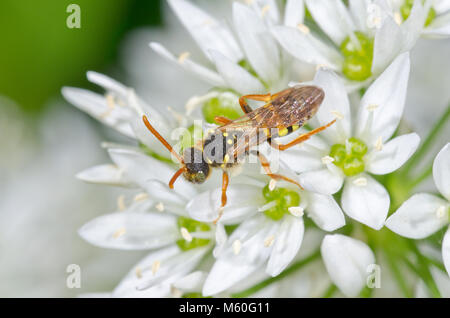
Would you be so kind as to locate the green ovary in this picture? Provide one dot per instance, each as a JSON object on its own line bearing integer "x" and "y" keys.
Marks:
{"x": 283, "y": 199}
{"x": 405, "y": 11}
{"x": 349, "y": 157}
{"x": 190, "y": 137}
{"x": 357, "y": 57}
{"x": 192, "y": 226}
{"x": 220, "y": 106}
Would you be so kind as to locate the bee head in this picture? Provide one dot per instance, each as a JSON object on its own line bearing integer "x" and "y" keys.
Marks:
{"x": 197, "y": 170}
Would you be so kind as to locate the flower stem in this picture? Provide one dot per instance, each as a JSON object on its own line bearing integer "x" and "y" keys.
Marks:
{"x": 294, "y": 267}
{"x": 330, "y": 291}
{"x": 418, "y": 155}
{"x": 398, "y": 275}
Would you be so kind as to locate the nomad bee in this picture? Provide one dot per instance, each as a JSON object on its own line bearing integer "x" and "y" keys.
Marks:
{"x": 225, "y": 146}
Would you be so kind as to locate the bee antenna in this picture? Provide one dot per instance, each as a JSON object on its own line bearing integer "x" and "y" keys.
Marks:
{"x": 175, "y": 176}
{"x": 162, "y": 140}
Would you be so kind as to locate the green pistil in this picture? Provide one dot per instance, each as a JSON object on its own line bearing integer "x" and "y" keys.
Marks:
{"x": 221, "y": 106}
{"x": 405, "y": 11}
{"x": 349, "y": 157}
{"x": 282, "y": 199}
{"x": 191, "y": 136}
{"x": 357, "y": 57}
{"x": 192, "y": 226}
{"x": 246, "y": 65}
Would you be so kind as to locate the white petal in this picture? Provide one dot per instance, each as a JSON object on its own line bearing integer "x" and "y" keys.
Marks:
{"x": 96, "y": 105}
{"x": 201, "y": 72}
{"x": 172, "y": 200}
{"x": 439, "y": 28}
{"x": 327, "y": 180}
{"x": 418, "y": 217}
{"x": 236, "y": 76}
{"x": 446, "y": 250}
{"x": 232, "y": 267}
{"x": 260, "y": 48}
{"x": 413, "y": 26}
{"x": 368, "y": 204}
{"x": 336, "y": 101}
{"x": 105, "y": 174}
{"x": 387, "y": 45}
{"x": 243, "y": 201}
{"x": 108, "y": 84}
{"x": 358, "y": 10}
{"x": 294, "y": 13}
{"x": 388, "y": 94}
{"x": 324, "y": 211}
{"x": 191, "y": 282}
{"x": 131, "y": 231}
{"x": 288, "y": 240}
{"x": 142, "y": 168}
{"x": 206, "y": 31}
{"x": 347, "y": 261}
{"x": 144, "y": 281}
{"x": 393, "y": 154}
{"x": 332, "y": 17}
{"x": 441, "y": 171}
{"x": 307, "y": 48}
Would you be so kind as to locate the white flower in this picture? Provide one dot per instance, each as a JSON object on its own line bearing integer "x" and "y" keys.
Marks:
{"x": 347, "y": 261}
{"x": 121, "y": 109}
{"x": 423, "y": 214}
{"x": 271, "y": 231}
{"x": 248, "y": 63}
{"x": 367, "y": 37}
{"x": 431, "y": 20}
{"x": 156, "y": 220}
{"x": 346, "y": 151}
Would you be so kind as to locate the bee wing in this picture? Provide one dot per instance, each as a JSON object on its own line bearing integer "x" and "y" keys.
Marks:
{"x": 251, "y": 128}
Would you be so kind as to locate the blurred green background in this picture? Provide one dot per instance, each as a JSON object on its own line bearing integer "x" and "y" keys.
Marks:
{"x": 39, "y": 54}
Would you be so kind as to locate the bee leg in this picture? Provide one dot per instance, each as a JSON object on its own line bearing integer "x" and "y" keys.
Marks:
{"x": 222, "y": 120}
{"x": 225, "y": 181}
{"x": 246, "y": 108}
{"x": 301, "y": 138}
{"x": 266, "y": 166}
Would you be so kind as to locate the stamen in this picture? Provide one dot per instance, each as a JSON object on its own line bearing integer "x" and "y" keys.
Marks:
{"x": 185, "y": 234}
{"x": 303, "y": 28}
{"x": 327, "y": 160}
{"x": 272, "y": 184}
{"x": 322, "y": 67}
{"x": 120, "y": 232}
{"x": 141, "y": 197}
{"x": 155, "y": 267}
{"x": 337, "y": 114}
{"x": 183, "y": 56}
{"x": 178, "y": 117}
{"x": 398, "y": 18}
{"x": 296, "y": 211}
{"x": 237, "y": 245}
{"x": 160, "y": 207}
{"x": 267, "y": 206}
{"x": 372, "y": 107}
{"x": 121, "y": 203}
{"x": 440, "y": 212}
{"x": 379, "y": 144}
{"x": 360, "y": 182}
{"x": 111, "y": 105}
{"x": 175, "y": 292}
{"x": 138, "y": 272}
{"x": 264, "y": 10}
{"x": 268, "y": 242}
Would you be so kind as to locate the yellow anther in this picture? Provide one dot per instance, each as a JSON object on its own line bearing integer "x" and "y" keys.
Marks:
{"x": 120, "y": 232}
{"x": 268, "y": 242}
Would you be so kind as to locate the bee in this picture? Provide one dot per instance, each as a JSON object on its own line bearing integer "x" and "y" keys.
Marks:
{"x": 225, "y": 146}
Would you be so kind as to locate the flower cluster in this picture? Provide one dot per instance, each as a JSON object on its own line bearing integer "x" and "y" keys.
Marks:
{"x": 352, "y": 175}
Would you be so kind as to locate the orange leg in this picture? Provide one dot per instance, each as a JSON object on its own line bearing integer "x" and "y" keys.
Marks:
{"x": 246, "y": 108}
{"x": 302, "y": 137}
{"x": 222, "y": 120}
{"x": 225, "y": 181}
{"x": 266, "y": 165}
